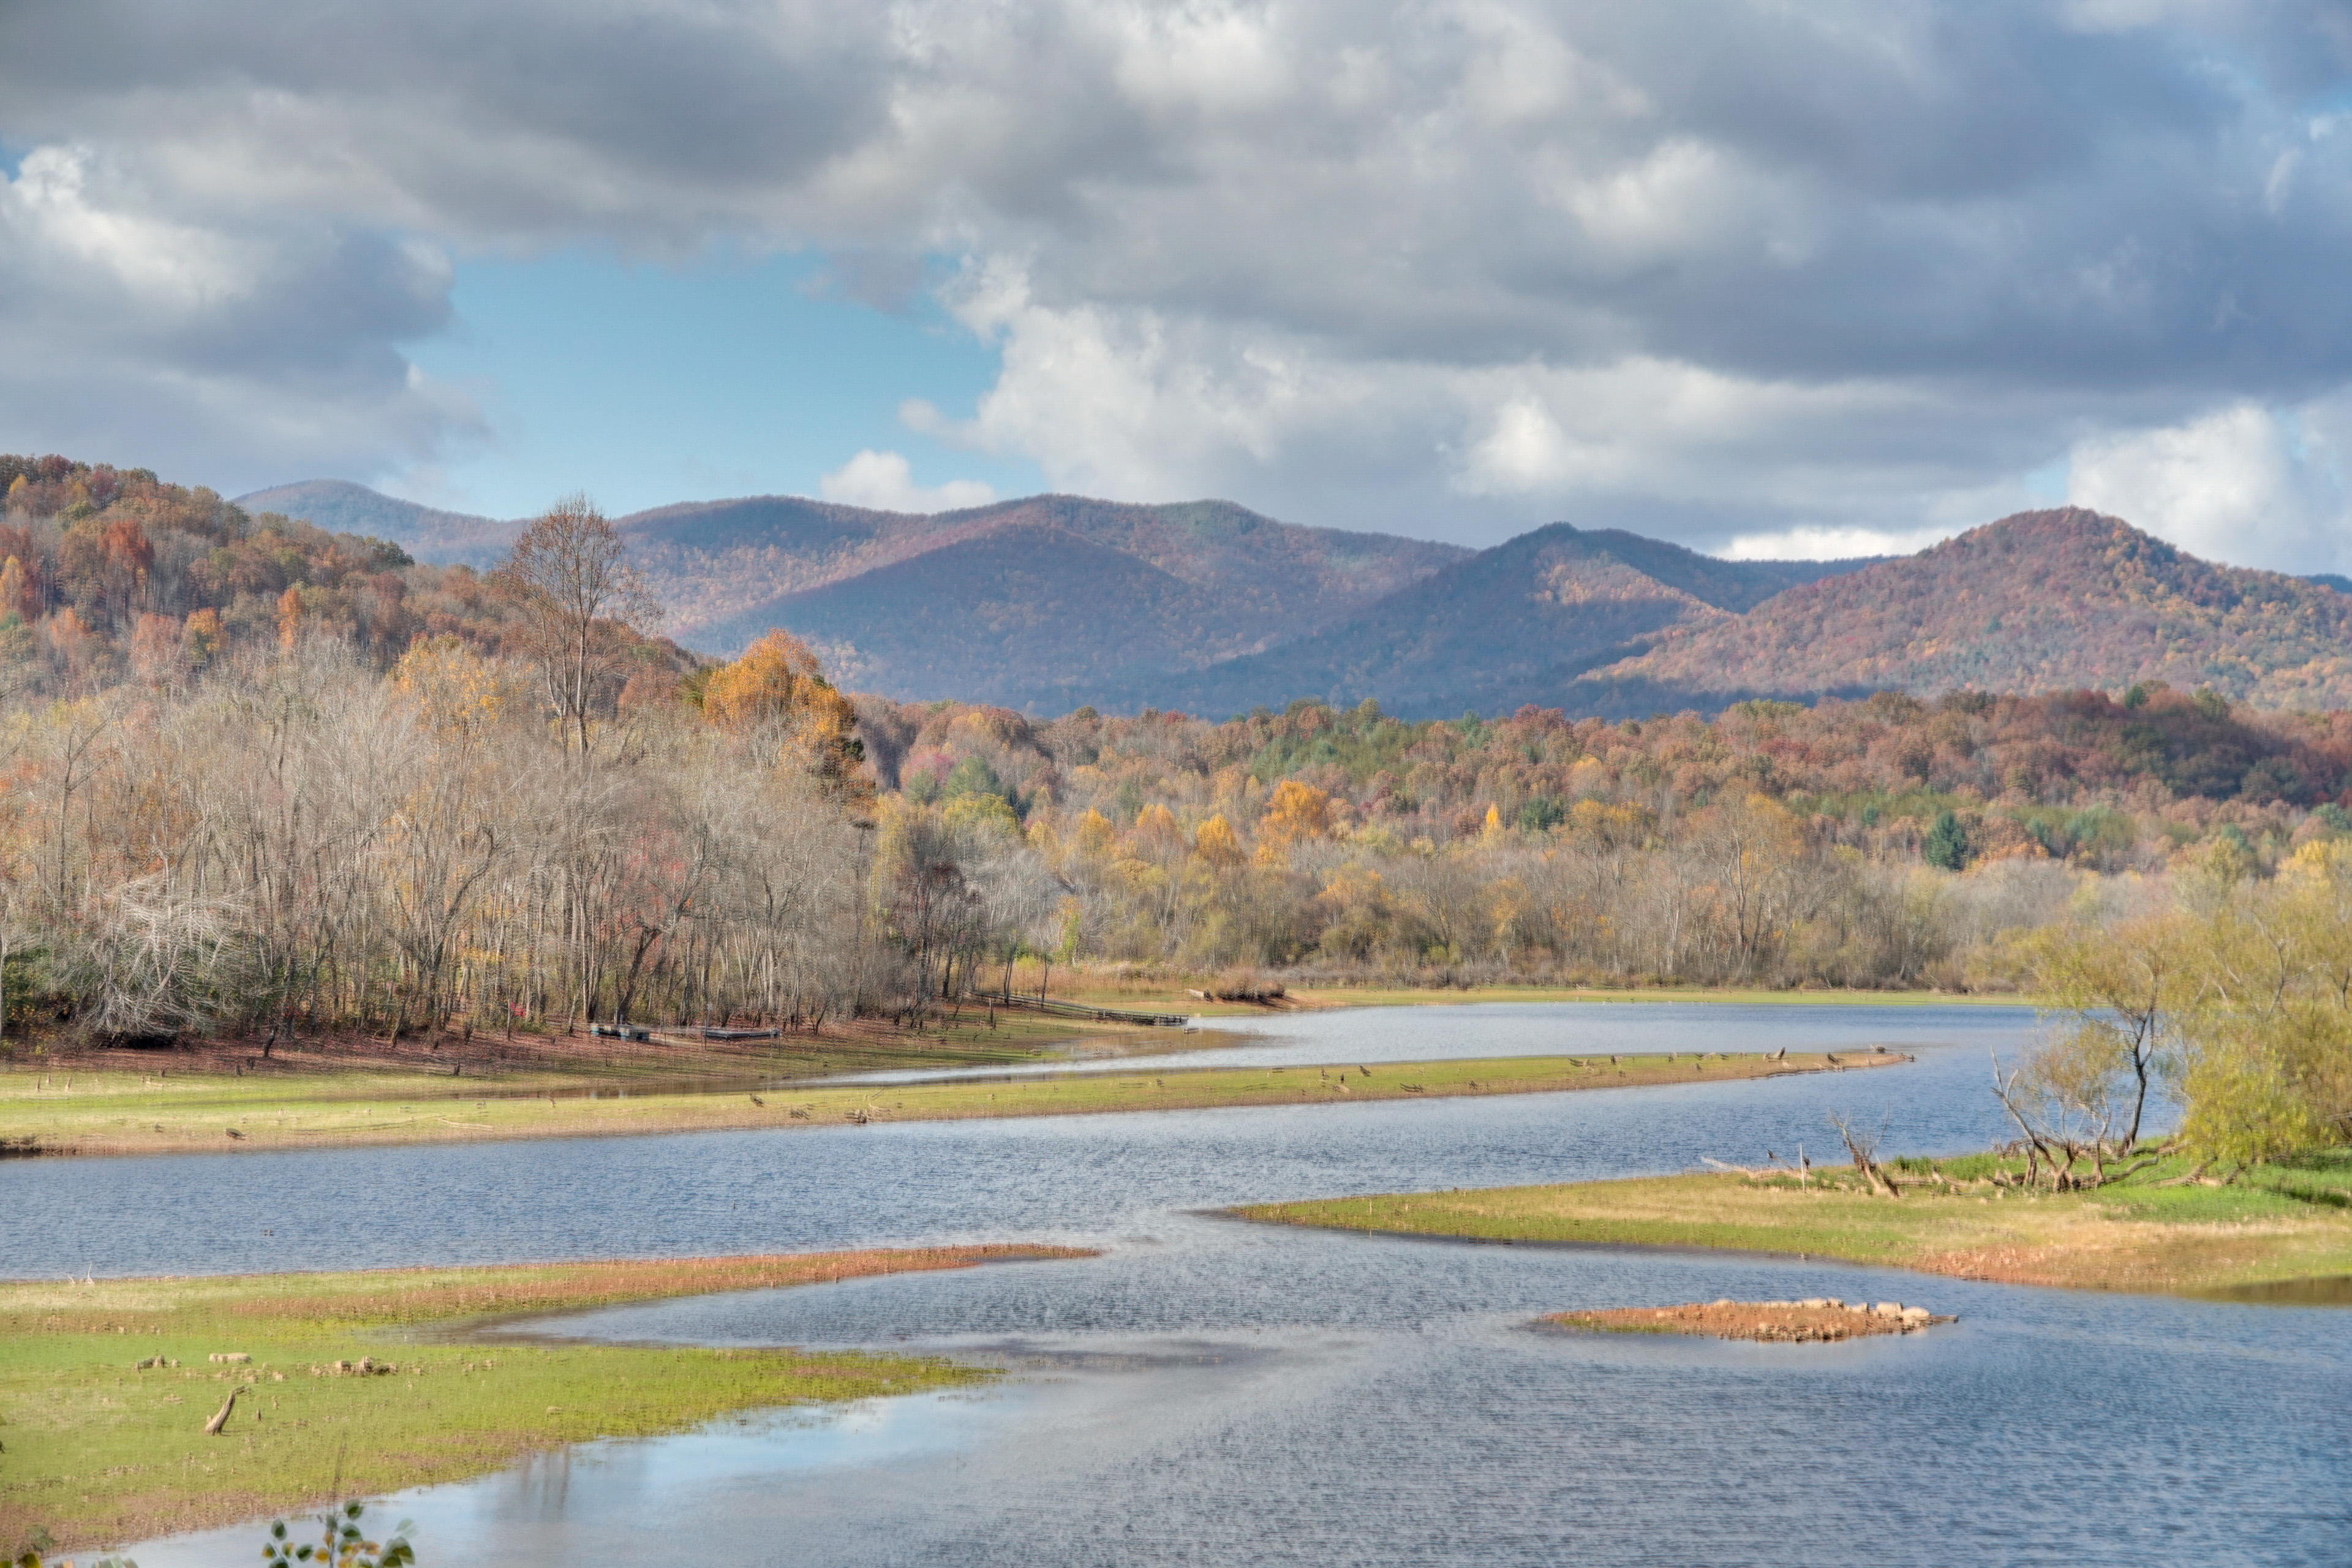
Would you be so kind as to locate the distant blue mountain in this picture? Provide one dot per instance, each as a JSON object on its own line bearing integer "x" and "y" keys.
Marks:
{"x": 445, "y": 538}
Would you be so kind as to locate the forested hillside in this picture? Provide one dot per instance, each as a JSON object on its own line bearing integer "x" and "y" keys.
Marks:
{"x": 1881, "y": 842}
{"x": 427, "y": 534}
{"x": 947, "y": 604}
{"x": 108, "y": 575}
{"x": 2038, "y": 601}
{"x": 1055, "y": 601}
{"x": 1509, "y": 625}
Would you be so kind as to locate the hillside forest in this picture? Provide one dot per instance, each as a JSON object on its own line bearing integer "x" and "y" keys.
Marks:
{"x": 263, "y": 779}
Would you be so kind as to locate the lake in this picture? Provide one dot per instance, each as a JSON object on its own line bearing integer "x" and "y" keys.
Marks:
{"x": 1210, "y": 1392}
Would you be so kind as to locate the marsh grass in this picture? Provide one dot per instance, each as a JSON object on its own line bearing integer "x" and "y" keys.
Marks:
{"x": 100, "y": 1451}
{"x": 2278, "y": 1224}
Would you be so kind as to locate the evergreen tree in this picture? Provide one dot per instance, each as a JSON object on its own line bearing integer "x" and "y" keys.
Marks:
{"x": 1947, "y": 847}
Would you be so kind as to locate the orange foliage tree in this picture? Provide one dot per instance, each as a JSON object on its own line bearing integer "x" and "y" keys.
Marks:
{"x": 777, "y": 698}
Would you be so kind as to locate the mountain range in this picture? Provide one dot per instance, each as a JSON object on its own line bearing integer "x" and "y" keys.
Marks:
{"x": 1051, "y": 602}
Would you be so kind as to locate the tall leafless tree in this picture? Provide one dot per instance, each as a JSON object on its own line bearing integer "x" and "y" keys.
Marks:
{"x": 569, "y": 574}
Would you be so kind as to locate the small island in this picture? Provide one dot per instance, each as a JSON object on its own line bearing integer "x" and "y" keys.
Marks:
{"x": 1818, "y": 1320}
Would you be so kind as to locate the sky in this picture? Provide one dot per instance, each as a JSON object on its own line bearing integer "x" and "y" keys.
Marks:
{"x": 1764, "y": 278}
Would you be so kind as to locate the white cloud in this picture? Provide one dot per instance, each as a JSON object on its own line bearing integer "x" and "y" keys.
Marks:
{"x": 2243, "y": 484}
{"x": 1449, "y": 265}
{"x": 1830, "y": 544}
{"x": 885, "y": 482}
{"x": 230, "y": 351}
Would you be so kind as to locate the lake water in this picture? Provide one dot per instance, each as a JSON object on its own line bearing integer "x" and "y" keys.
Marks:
{"x": 1209, "y": 1392}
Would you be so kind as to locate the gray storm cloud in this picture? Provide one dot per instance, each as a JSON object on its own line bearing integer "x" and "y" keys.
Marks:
{"x": 1753, "y": 276}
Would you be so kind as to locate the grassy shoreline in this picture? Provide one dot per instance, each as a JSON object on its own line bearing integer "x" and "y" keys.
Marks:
{"x": 224, "y": 1096}
{"x": 120, "y": 1113}
{"x": 98, "y": 1450}
{"x": 2282, "y": 1224}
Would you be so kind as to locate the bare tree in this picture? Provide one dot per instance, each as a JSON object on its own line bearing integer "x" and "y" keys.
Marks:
{"x": 153, "y": 959}
{"x": 1862, "y": 1144}
{"x": 569, "y": 576}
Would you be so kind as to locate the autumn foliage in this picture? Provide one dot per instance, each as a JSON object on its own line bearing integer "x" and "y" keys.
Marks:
{"x": 777, "y": 698}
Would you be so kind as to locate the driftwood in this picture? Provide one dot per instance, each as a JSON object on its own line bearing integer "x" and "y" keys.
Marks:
{"x": 220, "y": 1417}
{"x": 1862, "y": 1145}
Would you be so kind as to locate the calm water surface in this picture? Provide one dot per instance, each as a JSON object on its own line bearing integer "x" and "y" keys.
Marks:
{"x": 1209, "y": 1392}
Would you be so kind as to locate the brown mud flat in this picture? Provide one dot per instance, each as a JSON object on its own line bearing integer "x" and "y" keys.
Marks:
{"x": 1817, "y": 1321}
{"x": 973, "y": 1034}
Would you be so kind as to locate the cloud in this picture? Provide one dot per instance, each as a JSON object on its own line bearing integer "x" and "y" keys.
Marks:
{"x": 2243, "y": 484}
{"x": 143, "y": 336}
{"x": 1451, "y": 266}
{"x": 885, "y": 482}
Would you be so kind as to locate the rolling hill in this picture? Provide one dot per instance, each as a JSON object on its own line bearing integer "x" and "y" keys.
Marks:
{"x": 444, "y": 537}
{"x": 1024, "y": 603}
{"x": 2041, "y": 601}
{"x": 1509, "y": 625}
{"x": 1051, "y": 602}
{"x": 728, "y": 569}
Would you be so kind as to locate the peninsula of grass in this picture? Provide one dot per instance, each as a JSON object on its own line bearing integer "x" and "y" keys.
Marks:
{"x": 118, "y": 1112}
{"x": 97, "y": 1449}
{"x": 2276, "y": 1224}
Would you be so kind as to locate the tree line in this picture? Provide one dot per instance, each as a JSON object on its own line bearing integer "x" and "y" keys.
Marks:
{"x": 538, "y": 814}
{"x": 285, "y": 837}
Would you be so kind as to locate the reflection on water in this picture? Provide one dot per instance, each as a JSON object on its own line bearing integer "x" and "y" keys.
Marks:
{"x": 2326, "y": 1290}
{"x": 1210, "y": 1392}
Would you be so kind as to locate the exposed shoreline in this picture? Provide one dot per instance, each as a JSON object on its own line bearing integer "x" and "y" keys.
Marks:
{"x": 1815, "y": 1321}
{"x": 110, "y": 1115}
{"x": 2181, "y": 1240}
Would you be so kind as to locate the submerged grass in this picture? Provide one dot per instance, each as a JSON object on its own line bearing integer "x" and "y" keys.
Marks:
{"x": 2278, "y": 1224}
{"x": 123, "y": 1113}
{"x": 96, "y": 1450}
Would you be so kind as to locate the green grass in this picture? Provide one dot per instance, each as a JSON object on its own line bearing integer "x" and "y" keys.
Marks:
{"x": 129, "y": 1113}
{"x": 2278, "y": 1224}
{"x": 98, "y": 1452}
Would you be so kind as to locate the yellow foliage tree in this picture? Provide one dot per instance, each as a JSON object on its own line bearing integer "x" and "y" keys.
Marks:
{"x": 459, "y": 692}
{"x": 200, "y": 639}
{"x": 777, "y": 698}
{"x": 1094, "y": 832}
{"x": 1217, "y": 843}
{"x": 1156, "y": 832}
{"x": 16, "y": 590}
{"x": 1297, "y": 812}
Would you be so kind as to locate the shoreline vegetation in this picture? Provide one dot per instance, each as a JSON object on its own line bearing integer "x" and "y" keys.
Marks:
{"x": 2166, "y": 1232}
{"x": 109, "y": 1385}
{"x": 108, "y": 1112}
